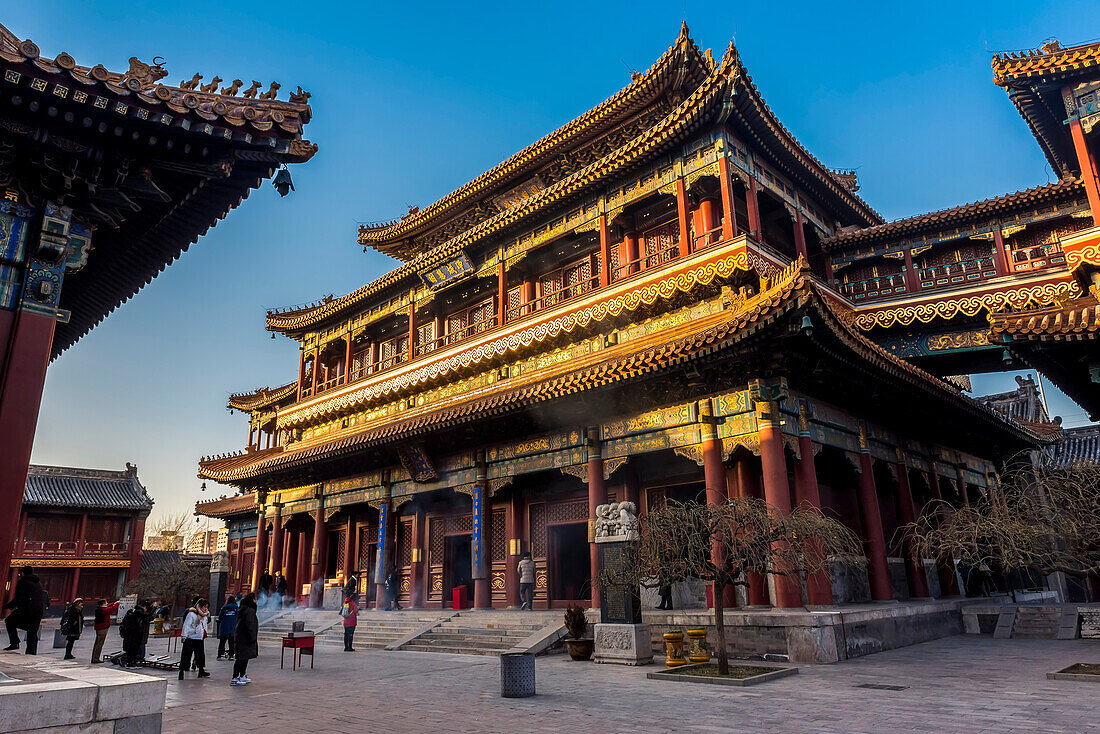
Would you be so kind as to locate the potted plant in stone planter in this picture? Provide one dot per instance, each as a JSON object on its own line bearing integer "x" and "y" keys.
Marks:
{"x": 580, "y": 646}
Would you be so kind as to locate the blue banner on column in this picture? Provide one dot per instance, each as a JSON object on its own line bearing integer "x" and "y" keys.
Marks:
{"x": 477, "y": 569}
{"x": 380, "y": 553}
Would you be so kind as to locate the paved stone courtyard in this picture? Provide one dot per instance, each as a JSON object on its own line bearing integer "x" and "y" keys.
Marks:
{"x": 956, "y": 684}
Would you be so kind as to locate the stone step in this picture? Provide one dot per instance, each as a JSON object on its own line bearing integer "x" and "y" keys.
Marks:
{"x": 420, "y": 647}
{"x": 481, "y": 631}
{"x": 465, "y": 644}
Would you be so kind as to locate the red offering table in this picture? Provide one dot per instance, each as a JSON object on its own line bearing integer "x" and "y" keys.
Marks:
{"x": 299, "y": 646}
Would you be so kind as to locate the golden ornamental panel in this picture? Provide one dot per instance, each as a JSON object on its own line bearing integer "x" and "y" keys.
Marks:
{"x": 541, "y": 579}
{"x": 497, "y": 581}
{"x": 437, "y": 583}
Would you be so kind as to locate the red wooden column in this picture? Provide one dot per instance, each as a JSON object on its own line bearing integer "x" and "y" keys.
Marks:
{"x": 800, "y": 235}
{"x": 302, "y": 575}
{"x": 605, "y": 252}
{"x": 945, "y": 567}
{"x": 387, "y": 539}
{"x": 276, "y": 564}
{"x": 412, "y": 330}
{"x": 682, "y": 212}
{"x": 777, "y": 491}
{"x": 714, "y": 477}
{"x": 290, "y": 562}
{"x": 513, "y": 520}
{"x": 74, "y": 582}
{"x": 259, "y": 564}
{"x": 748, "y": 483}
{"x": 25, "y": 340}
{"x": 1001, "y": 262}
{"x": 1088, "y": 169}
{"x": 502, "y": 292}
{"x": 347, "y": 360}
{"x": 960, "y": 486}
{"x": 301, "y": 371}
{"x": 729, "y": 221}
{"x": 819, "y": 589}
{"x": 873, "y": 535}
{"x": 912, "y": 282}
{"x": 316, "y": 370}
{"x": 81, "y": 534}
{"x": 317, "y": 566}
{"x": 632, "y": 488}
{"x": 597, "y": 495}
{"x": 753, "y": 207}
{"x": 416, "y": 583}
{"x": 481, "y": 543}
{"x": 918, "y": 582}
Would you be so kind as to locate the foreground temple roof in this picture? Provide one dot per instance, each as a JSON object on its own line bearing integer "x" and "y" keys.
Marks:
{"x": 201, "y": 152}
{"x": 1080, "y": 444}
{"x": 70, "y": 488}
{"x": 794, "y": 291}
{"x": 225, "y": 507}
{"x": 1034, "y": 81}
{"x": 262, "y": 397}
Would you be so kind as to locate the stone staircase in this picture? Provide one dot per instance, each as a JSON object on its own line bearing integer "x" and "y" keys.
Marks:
{"x": 374, "y": 629}
{"x": 1038, "y": 622}
{"x": 484, "y": 632}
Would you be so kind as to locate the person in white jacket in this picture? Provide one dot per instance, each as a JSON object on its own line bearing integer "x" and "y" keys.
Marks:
{"x": 193, "y": 633}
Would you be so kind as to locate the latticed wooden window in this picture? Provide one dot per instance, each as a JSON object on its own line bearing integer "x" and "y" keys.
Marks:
{"x": 341, "y": 549}
{"x": 567, "y": 511}
{"x": 515, "y": 301}
{"x": 659, "y": 243}
{"x": 435, "y": 540}
{"x": 367, "y": 535}
{"x": 425, "y": 337}
{"x": 456, "y": 325}
{"x": 577, "y": 278}
{"x": 497, "y": 537}
{"x": 655, "y": 499}
{"x": 393, "y": 351}
{"x": 481, "y": 315}
{"x": 538, "y": 531}
{"x": 404, "y": 543}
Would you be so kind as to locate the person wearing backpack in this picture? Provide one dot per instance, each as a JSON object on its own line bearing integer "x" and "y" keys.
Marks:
{"x": 227, "y": 628}
{"x": 72, "y": 625}
{"x": 101, "y": 624}
{"x": 350, "y": 613}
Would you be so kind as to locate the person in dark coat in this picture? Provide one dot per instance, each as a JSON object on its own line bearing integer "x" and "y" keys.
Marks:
{"x": 248, "y": 628}
{"x": 393, "y": 586}
{"x": 72, "y": 624}
{"x": 265, "y": 583}
{"x": 130, "y": 630}
{"x": 227, "y": 627}
{"x": 26, "y": 611}
{"x": 280, "y": 588}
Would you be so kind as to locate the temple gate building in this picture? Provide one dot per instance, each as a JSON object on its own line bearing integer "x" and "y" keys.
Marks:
{"x": 666, "y": 298}
{"x": 81, "y": 530}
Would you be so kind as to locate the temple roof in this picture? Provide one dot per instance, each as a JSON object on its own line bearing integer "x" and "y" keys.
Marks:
{"x": 793, "y": 291}
{"x": 170, "y": 163}
{"x": 957, "y": 216}
{"x": 1080, "y": 444}
{"x": 226, "y": 507}
{"x": 71, "y": 488}
{"x": 1073, "y": 321}
{"x": 727, "y": 90}
{"x": 1034, "y": 81}
{"x": 681, "y": 65}
{"x": 1023, "y": 404}
{"x": 262, "y": 397}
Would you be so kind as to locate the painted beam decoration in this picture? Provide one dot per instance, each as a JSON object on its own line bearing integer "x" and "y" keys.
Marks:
{"x": 450, "y": 271}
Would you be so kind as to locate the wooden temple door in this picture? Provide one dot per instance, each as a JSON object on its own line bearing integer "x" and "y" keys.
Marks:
{"x": 565, "y": 544}
{"x": 368, "y": 546}
{"x": 498, "y": 573}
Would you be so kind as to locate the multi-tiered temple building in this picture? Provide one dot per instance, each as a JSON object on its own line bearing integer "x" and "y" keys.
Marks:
{"x": 668, "y": 297}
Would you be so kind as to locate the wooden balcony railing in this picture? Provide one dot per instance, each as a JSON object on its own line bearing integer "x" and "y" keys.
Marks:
{"x": 645, "y": 262}
{"x": 965, "y": 271}
{"x": 456, "y": 336}
{"x": 1037, "y": 258}
{"x": 880, "y": 287}
{"x": 554, "y": 298}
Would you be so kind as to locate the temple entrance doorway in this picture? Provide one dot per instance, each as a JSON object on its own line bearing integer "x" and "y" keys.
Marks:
{"x": 570, "y": 570}
{"x": 456, "y": 568}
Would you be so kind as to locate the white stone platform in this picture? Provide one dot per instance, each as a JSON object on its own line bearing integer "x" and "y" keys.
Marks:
{"x": 58, "y": 697}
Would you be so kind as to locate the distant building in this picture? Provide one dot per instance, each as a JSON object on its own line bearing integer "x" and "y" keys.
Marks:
{"x": 81, "y": 530}
{"x": 209, "y": 541}
{"x": 165, "y": 540}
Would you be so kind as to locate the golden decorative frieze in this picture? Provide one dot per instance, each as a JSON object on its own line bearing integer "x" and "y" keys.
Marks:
{"x": 72, "y": 562}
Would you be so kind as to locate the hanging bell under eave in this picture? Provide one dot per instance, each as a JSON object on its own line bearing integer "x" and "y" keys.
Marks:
{"x": 282, "y": 182}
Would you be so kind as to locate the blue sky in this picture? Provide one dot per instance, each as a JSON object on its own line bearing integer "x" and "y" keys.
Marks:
{"x": 412, "y": 101}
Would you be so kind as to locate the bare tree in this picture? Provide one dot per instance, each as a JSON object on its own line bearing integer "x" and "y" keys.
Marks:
{"x": 723, "y": 544}
{"x": 176, "y": 529}
{"x": 1044, "y": 518}
{"x": 170, "y": 582}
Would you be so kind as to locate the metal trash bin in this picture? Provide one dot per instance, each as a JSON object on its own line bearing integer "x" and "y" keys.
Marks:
{"x": 517, "y": 675}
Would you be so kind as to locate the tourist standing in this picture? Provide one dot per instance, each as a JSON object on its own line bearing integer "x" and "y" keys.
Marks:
{"x": 280, "y": 587}
{"x": 265, "y": 585}
{"x": 227, "y": 627}
{"x": 248, "y": 628}
{"x": 26, "y": 611}
{"x": 527, "y": 582}
{"x": 351, "y": 586}
{"x": 72, "y": 625}
{"x": 194, "y": 632}
{"x": 350, "y": 613}
{"x": 665, "y": 590}
{"x": 393, "y": 581}
{"x": 101, "y": 624}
